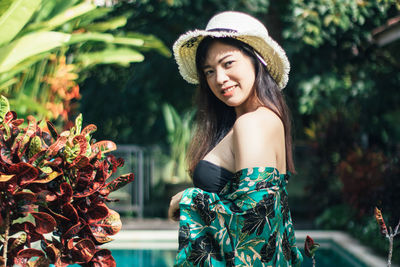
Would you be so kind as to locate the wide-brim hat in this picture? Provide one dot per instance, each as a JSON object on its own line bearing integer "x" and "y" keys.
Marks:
{"x": 236, "y": 25}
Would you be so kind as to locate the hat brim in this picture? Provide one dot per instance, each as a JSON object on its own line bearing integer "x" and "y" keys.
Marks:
{"x": 186, "y": 46}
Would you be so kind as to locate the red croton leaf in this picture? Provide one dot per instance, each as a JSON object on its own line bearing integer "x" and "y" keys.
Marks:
{"x": 25, "y": 255}
{"x": 103, "y": 147}
{"x": 85, "y": 187}
{"x": 46, "y": 138}
{"x": 381, "y": 222}
{"x": 17, "y": 122}
{"x": 80, "y": 162}
{"x": 48, "y": 178}
{"x": 55, "y": 162}
{"x": 72, "y": 231}
{"x": 5, "y": 155}
{"x": 310, "y": 247}
{"x": 91, "y": 128}
{"x": 118, "y": 183}
{"x": 56, "y": 146}
{"x": 70, "y": 212}
{"x": 17, "y": 243}
{"x": 57, "y": 216}
{"x": 83, "y": 251}
{"x": 29, "y": 229}
{"x": 45, "y": 223}
{"x": 24, "y": 172}
{"x": 99, "y": 234}
{"x": 53, "y": 253}
{"x": 30, "y": 131}
{"x": 66, "y": 191}
{"x": 111, "y": 224}
{"x": 103, "y": 258}
{"x": 83, "y": 143}
{"x": 10, "y": 115}
{"x": 36, "y": 159}
{"x": 97, "y": 213}
{"x": 25, "y": 198}
{"x": 115, "y": 163}
{"x": 52, "y": 130}
{"x": 6, "y": 178}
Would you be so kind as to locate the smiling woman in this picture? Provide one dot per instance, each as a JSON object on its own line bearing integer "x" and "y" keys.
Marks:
{"x": 240, "y": 156}
{"x": 229, "y": 73}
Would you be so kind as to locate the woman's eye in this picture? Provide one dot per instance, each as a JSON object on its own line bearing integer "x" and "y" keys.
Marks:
{"x": 228, "y": 63}
{"x": 208, "y": 72}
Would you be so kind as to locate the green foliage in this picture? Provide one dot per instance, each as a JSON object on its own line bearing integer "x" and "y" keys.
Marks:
{"x": 318, "y": 21}
{"x": 157, "y": 80}
{"x": 343, "y": 93}
{"x": 4, "y": 107}
{"x": 329, "y": 92}
{"x": 365, "y": 229}
{"x": 14, "y": 18}
{"x": 339, "y": 217}
{"x": 34, "y": 32}
{"x": 344, "y": 90}
{"x": 179, "y": 135}
{"x": 55, "y": 184}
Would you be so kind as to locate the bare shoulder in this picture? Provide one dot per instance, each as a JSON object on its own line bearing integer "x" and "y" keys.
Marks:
{"x": 262, "y": 119}
{"x": 257, "y": 137}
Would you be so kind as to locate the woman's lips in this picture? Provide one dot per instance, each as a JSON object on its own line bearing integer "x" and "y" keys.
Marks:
{"x": 228, "y": 91}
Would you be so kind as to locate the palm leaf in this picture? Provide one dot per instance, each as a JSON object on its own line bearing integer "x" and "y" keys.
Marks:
{"x": 23, "y": 66}
{"x": 111, "y": 24}
{"x": 169, "y": 121}
{"x": 4, "y": 107}
{"x": 122, "y": 56}
{"x": 15, "y": 18}
{"x": 150, "y": 42}
{"x": 60, "y": 19}
{"x": 30, "y": 45}
{"x": 95, "y": 14}
{"x": 51, "y": 8}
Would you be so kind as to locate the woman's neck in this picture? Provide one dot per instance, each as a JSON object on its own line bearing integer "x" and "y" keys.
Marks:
{"x": 249, "y": 105}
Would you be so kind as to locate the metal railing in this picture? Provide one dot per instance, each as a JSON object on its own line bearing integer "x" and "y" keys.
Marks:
{"x": 132, "y": 197}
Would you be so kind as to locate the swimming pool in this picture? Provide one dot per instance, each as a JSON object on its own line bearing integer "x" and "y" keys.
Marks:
{"x": 160, "y": 258}
{"x": 329, "y": 255}
{"x": 158, "y": 249}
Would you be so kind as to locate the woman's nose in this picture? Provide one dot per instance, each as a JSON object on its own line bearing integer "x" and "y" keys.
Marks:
{"x": 221, "y": 76}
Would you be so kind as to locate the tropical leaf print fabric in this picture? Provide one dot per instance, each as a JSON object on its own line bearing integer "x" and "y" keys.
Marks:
{"x": 247, "y": 224}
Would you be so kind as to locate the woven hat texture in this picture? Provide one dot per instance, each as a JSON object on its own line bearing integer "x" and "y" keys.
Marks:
{"x": 239, "y": 26}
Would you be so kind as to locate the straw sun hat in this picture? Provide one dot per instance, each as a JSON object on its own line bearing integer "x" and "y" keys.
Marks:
{"x": 239, "y": 26}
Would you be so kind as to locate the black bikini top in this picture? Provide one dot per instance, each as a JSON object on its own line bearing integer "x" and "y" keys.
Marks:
{"x": 210, "y": 177}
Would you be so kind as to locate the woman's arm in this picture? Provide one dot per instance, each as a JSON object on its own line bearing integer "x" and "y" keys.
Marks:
{"x": 259, "y": 141}
{"x": 173, "y": 211}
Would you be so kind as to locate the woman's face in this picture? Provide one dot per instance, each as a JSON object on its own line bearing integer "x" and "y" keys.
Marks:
{"x": 230, "y": 74}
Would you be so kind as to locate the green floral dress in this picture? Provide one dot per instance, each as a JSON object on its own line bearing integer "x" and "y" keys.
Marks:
{"x": 247, "y": 224}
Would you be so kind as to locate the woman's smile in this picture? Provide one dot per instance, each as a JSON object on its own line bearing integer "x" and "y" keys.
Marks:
{"x": 228, "y": 91}
{"x": 230, "y": 74}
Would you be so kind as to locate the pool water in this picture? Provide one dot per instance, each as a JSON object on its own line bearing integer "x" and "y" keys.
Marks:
{"x": 327, "y": 256}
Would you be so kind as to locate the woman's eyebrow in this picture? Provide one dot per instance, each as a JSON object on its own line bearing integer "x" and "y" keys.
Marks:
{"x": 219, "y": 61}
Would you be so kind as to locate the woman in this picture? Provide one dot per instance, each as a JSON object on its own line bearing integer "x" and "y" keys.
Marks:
{"x": 240, "y": 157}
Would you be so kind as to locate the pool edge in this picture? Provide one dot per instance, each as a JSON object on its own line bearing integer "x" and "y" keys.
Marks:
{"x": 168, "y": 239}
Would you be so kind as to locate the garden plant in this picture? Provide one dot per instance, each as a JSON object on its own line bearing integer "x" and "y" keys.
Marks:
{"x": 388, "y": 233}
{"x": 310, "y": 247}
{"x": 48, "y": 46}
{"x": 53, "y": 193}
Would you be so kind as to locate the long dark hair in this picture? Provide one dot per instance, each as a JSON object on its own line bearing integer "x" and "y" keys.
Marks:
{"x": 215, "y": 119}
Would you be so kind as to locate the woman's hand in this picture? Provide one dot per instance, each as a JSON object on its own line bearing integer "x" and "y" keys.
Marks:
{"x": 173, "y": 211}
